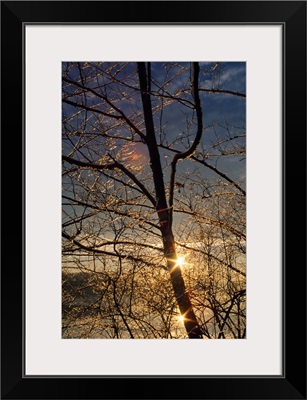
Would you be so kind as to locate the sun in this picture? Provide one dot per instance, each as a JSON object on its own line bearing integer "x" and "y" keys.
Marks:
{"x": 180, "y": 261}
{"x": 181, "y": 318}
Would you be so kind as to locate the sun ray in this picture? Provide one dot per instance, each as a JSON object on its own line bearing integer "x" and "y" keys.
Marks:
{"x": 178, "y": 262}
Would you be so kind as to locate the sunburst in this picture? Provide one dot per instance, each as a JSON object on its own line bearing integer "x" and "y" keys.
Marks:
{"x": 180, "y": 261}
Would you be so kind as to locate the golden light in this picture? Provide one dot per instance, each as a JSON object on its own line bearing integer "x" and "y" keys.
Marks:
{"x": 181, "y": 318}
{"x": 180, "y": 262}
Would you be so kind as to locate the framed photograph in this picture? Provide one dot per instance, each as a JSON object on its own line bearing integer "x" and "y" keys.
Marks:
{"x": 153, "y": 193}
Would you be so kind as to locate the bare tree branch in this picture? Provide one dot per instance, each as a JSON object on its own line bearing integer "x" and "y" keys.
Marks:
{"x": 110, "y": 167}
{"x": 189, "y": 152}
{"x": 222, "y": 91}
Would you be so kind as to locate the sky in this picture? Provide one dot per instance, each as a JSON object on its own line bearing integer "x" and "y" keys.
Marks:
{"x": 218, "y": 109}
{"x": 224, "y": 115}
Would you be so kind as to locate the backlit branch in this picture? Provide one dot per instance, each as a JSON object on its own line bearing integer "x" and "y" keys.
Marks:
{"x": 114, "y": 165}
{"x": 121, "y": 114}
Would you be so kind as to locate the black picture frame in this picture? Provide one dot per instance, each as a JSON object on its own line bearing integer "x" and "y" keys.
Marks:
{"x": 292, "y": 16}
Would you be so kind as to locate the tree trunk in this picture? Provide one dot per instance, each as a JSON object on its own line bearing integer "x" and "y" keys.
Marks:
{"x": 181, "y": 295}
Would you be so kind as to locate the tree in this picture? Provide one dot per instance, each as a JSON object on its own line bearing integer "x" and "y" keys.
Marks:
{"x": 123, "y": 190}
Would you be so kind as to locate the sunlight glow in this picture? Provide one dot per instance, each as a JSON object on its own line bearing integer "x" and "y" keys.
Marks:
{"x": 181, "y": 318}
{"x": 180, "y": 262}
